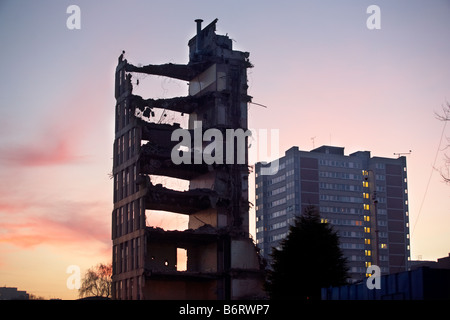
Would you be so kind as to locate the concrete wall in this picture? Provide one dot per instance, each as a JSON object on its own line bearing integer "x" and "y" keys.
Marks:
{"x": 202, "y": 258}
{"x": 200, "y": 218}
{"x": 243, "y": 255}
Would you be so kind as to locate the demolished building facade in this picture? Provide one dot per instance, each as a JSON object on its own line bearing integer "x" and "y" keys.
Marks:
{"x": 222, "y": 261}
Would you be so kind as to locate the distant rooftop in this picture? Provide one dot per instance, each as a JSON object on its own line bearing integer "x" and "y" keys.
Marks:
{"x": 330, "y": 150}
{"x": 11, "y": 293}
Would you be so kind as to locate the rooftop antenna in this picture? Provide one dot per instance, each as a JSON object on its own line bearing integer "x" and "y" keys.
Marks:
{"x": 402, "y": 153}
{"x": 313, "y": 141}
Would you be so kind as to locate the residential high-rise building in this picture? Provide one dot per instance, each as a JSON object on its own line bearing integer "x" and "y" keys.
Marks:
{"x": 364, "y": 198}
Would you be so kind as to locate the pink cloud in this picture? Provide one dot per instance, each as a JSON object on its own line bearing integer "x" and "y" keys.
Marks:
{"x": 10, "y": 207}
{"x": 55, "y": 152}
{"x": 62, "y": 130}
{"x": 57, "y": 142}
{"x": 57, "y": 224}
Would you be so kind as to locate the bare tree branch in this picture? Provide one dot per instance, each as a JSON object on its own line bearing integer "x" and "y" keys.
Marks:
{"x": 97, "y": 282}
{"x": 445, "y": 116}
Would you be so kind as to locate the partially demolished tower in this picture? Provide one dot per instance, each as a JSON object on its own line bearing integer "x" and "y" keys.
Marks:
{"x": 222, "y": 262}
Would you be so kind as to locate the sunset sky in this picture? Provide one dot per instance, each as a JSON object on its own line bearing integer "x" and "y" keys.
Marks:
{"x": 317, "y": 67}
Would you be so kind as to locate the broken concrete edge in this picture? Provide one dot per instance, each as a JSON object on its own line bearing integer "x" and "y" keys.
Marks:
{"x": 182, "y": 104}
{"x": 161, "y": 198}
{"x": 206, "y": 233}
{"x": 161, "y": 128}
{"x": 180, "y": 275}
{"x": 205, "y": 229}
{"x": 199, "y": 192}
{"x": 184, "y": 202}
{"x": 185, "y": 72}
{"x": 163, "y": 151}
{"x": 177, "y": 71}
{"x": 237, "y": 273}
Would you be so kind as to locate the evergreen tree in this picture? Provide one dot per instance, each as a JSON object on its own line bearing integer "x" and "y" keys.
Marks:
{"x": 309, "y": 259}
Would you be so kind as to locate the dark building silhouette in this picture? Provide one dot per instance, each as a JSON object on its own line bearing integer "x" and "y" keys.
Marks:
{"x": 441, "y": 263}
{"x": 11, "y": 293}
{"x": 222, "y": 261}
{"x": 365, "y": 199}
{"x": 427, "y": 280}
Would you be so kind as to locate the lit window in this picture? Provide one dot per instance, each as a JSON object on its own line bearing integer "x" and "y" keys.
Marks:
{"x": 368, "y": 264}
{"x": 365, "y": 184}
{"x": 366, "y": 218}
{"x": 322, "y": 220}
{"x": 366, "y": 207}
{"x": 368, "y": 253}
{"x": 367, "y": 241}
{"x": 366, "y": 229}
{"x": 366, "y": 195}
{"x": 383, "y": 246}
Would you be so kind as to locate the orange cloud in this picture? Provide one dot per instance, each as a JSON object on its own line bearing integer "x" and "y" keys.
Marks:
{"x": 57, "y": 224}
